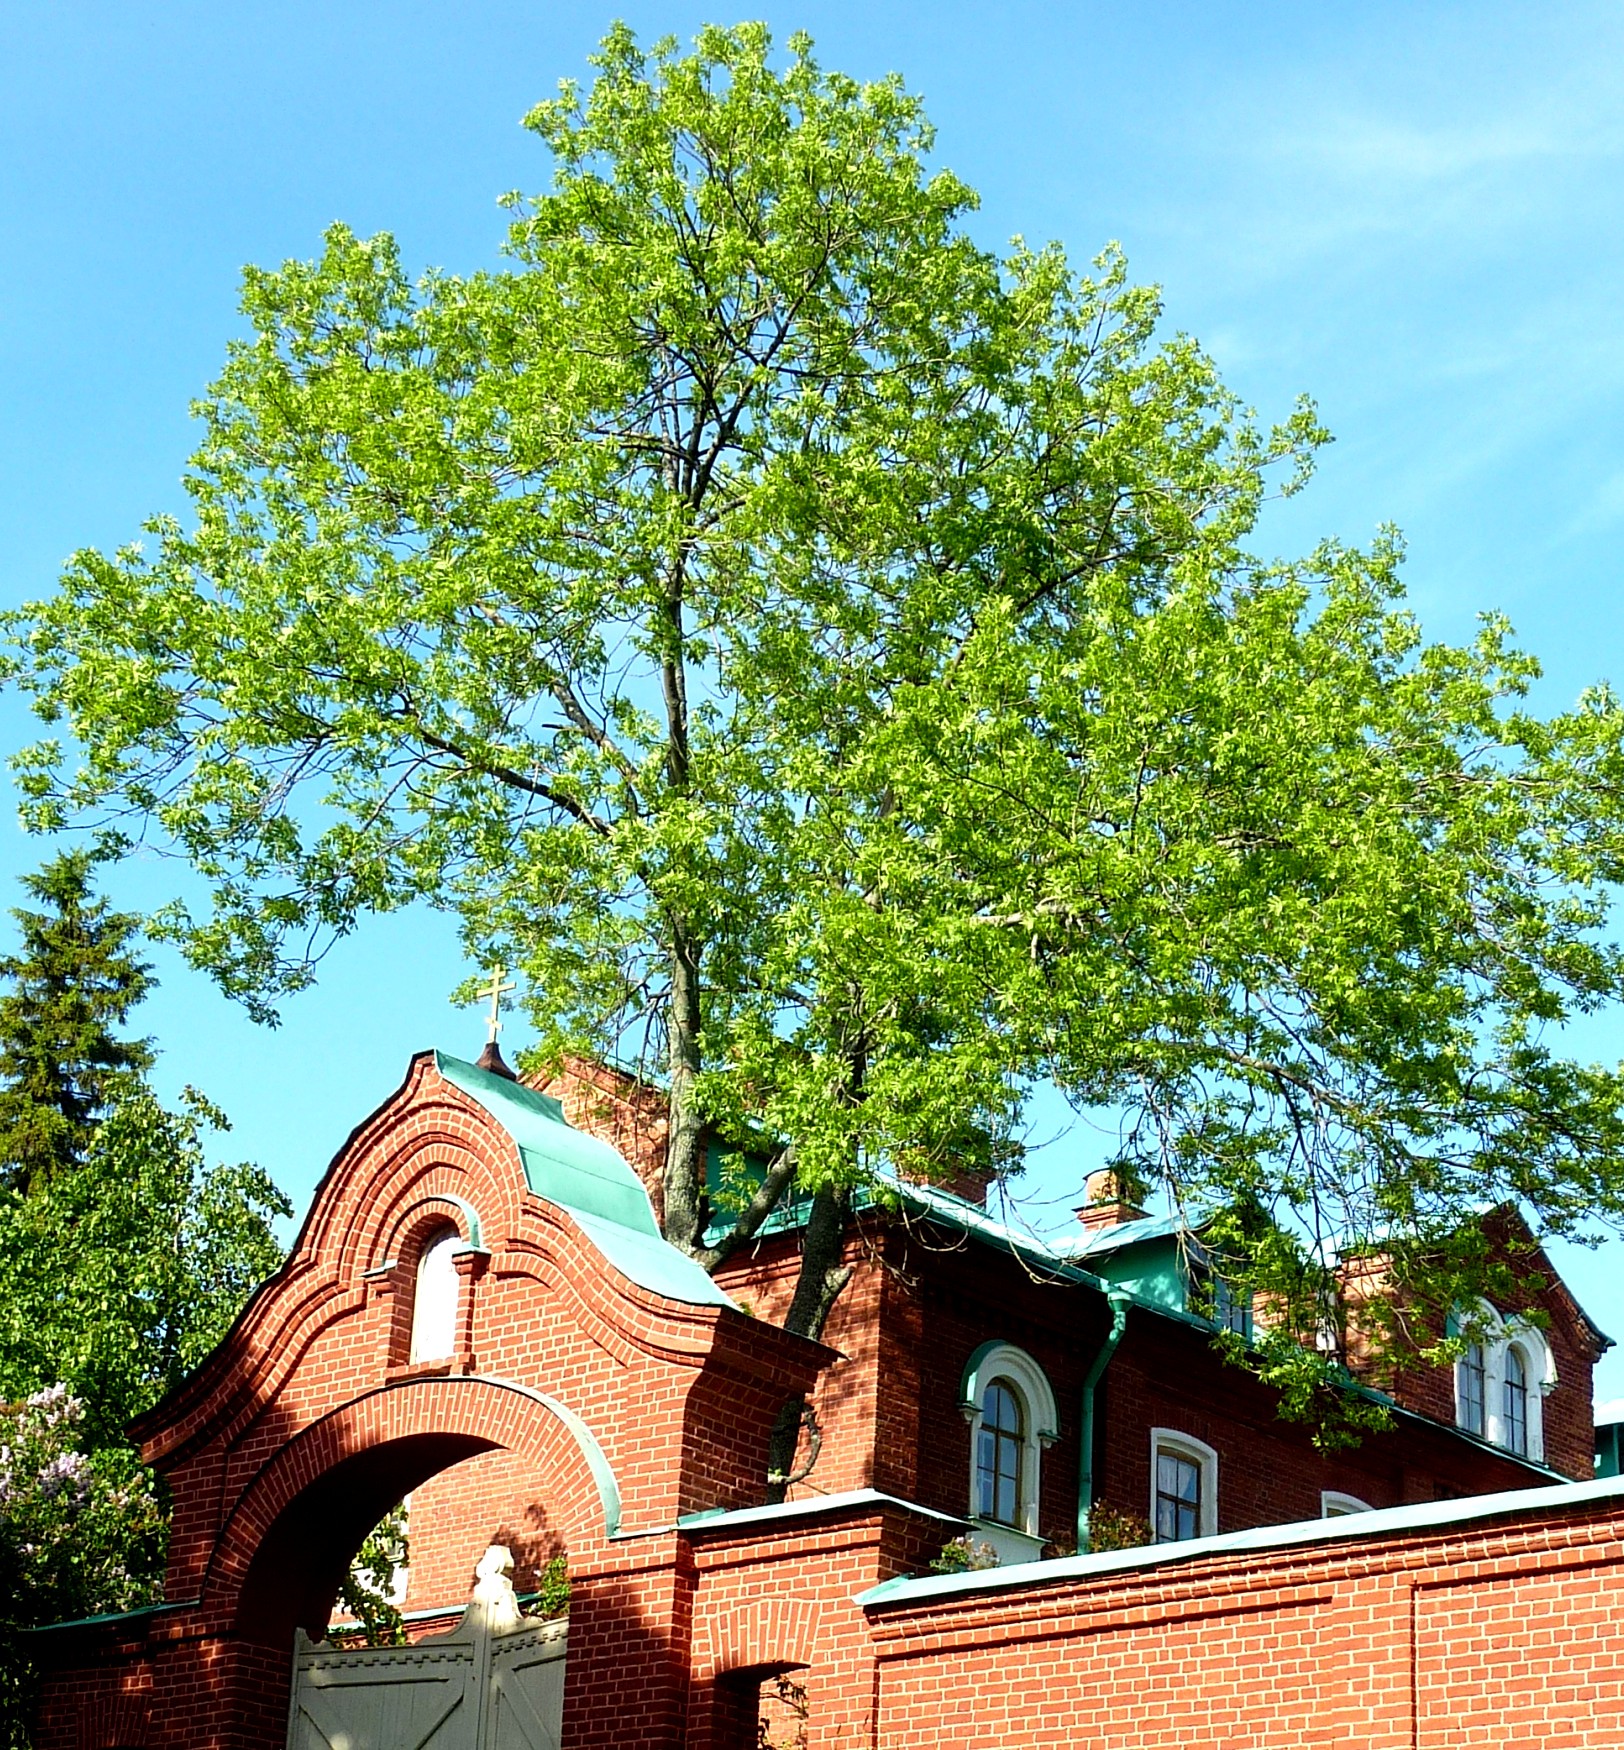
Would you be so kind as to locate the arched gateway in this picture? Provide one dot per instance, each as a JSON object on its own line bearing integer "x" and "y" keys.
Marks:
{"x": 480, "y": 1307}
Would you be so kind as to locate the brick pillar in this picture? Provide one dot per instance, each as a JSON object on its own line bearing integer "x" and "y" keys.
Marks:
{"x": 626, "y": 1676}
{"x": 471, "y": 1266}
{"x": 389, "y": 1313}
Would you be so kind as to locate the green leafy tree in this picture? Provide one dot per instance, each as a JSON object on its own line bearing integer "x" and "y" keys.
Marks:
{"x": 120, "y": 1274}
{"x": 72, "y": 981}
{"x": 832, "y": 657}
{"x": 1307, "y": 901}
{"x": 366, "y": 1593}
{"x": 569, "y": 597}
{"x": 124, "y": 1258}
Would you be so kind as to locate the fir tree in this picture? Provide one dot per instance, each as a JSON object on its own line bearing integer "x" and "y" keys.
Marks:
{"x": 72, "y": 982}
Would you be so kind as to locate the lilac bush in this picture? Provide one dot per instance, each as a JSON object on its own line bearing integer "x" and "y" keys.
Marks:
{"x": 80, "y": 1533}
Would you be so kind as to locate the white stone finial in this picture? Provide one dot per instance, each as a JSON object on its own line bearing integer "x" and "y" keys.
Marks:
{"x": 493, "y": 1594}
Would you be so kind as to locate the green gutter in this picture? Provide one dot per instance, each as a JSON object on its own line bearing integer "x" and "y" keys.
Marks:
{"x": 1120, "y": 1300}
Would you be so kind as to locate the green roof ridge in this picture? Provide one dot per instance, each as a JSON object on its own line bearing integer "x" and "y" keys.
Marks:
{"x": 591, "y": 1181}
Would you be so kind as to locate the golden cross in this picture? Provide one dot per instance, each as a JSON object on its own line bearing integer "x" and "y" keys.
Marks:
{"x": 496, "y": 990}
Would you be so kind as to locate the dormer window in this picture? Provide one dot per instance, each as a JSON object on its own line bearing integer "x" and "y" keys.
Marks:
{"x": 1213, "y": 1295}
{"x": 1470, "y": 1384}
{"x": 1515, "y": 1393}
{"x": 434, "y": 1303}
{"x": 1501, "y": 1380}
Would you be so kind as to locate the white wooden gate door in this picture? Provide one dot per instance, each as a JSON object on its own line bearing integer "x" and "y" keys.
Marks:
{"x": 471, "y": 1689}
{"x": 524, "y": 1707}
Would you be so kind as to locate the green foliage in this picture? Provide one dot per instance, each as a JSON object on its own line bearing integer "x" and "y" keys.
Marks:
{"x": 553, "y": 1589}
{"x": 1111, "y": 1528}
{"x": 118, "y": 1276}
{"x": 964, "y": 1555}
{"x": 785, "y": 1713}
{"x": 830, "y": 657}
{"x": 364, "y": 1595}
{"x": 124, "y": 1258}
{"x": 71, "y": 983}
{"x": 572, "y": 598}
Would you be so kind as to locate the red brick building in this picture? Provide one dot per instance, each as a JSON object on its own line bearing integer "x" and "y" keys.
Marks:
{"x": 479, "y": 1314}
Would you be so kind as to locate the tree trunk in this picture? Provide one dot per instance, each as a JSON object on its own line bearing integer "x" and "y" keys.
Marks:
{"x": 824, "y": 1272}
{"x": 684, "y": 1180}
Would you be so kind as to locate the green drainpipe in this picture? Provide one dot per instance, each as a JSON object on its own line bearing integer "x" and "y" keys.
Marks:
{"x": 1085, "y": 1431}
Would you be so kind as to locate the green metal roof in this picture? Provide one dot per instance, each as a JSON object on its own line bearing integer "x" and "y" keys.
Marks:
{"x": 590, "y": 1181}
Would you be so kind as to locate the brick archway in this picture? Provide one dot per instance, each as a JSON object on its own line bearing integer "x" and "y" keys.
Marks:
{"x": 586, "y": 1351}
{"x": 285, "y": 1548}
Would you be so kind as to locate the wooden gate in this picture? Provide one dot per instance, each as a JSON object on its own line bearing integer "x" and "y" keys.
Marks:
{"x": 477, "y": 1688}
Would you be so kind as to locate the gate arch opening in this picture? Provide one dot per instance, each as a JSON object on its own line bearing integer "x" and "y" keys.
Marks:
{"x": 294, "y": 1575}
{"x": 283, "y": 1554}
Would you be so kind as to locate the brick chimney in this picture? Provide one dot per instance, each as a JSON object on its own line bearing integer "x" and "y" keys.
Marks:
{"x": 1105, "y": 1202}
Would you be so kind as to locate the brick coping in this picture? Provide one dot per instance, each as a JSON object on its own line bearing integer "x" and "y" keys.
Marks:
{"x": 1426, "y": 1516}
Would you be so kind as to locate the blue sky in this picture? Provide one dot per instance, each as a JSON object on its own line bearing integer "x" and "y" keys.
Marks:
{"x": 1414, "y": 212}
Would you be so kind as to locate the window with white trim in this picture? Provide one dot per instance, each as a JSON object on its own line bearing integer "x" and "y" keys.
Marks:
{"x": 1514, "y": 1399}
{"x": 1334, "y": 1504}
{"x": 1009, "y": 1404}
{"x": 1470, "y": 1389}
{"x": 1000, "y": 1455}
{"x": 1183, "y": 1486}
{"x": 1502, "y": 1380}
{"x": 434, "y": 1303}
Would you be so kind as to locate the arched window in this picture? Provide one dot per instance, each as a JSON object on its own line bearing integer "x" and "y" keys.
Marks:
{"x": 1502, "y": 1379}
{"x": 1471, "y": 1398}
{"x": 434, "y": 1305}
{"x": 1334, "y": 1504}
{"x": 1183, "y": 1486}
{"x": 1000, "y": 1450}
{"x": 1514, "y": 1392}
{"x": 1008, "y": 1402}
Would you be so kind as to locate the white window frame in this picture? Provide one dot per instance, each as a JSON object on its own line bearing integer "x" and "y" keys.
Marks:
{"x": 1335, "y": 1505}
{"x": 1199, "y": 1453}
{"x": 1003, "y": 1363}
{"x": 1498, "y": 1336}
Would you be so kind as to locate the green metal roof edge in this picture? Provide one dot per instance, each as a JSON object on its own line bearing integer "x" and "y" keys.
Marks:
{"x": 916, "y": 1589}
{"x": 597, "y": 1460}
{"x": 107, "y": 1616}
{"x": 590, "y": 1181}
{"x": 976, "y": 1224}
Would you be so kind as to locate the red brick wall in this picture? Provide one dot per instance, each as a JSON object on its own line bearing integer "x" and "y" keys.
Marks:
{"x": 1504, "y": 1634}
{"x": 917, "y": 1307}
{"x": 1569, "y": 1430}
{"x": 459, "y": 1513}
{"x": 295, "y": 1438}
{"x": 307, "y": 1426}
